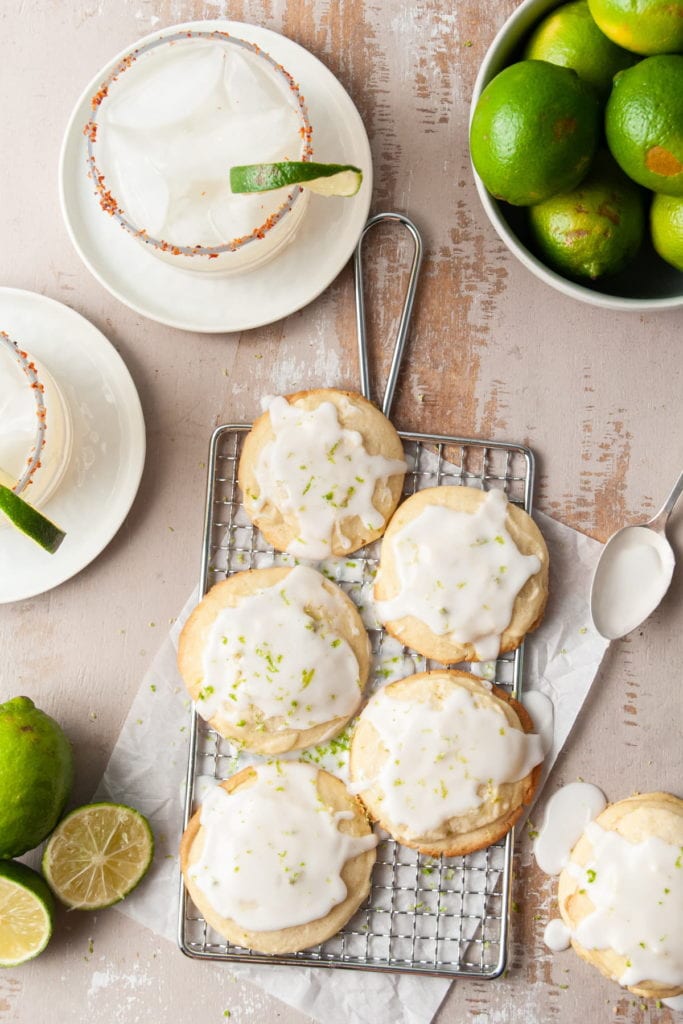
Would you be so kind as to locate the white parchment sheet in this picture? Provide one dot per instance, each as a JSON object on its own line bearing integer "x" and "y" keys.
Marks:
{"x": 147, "y": 770}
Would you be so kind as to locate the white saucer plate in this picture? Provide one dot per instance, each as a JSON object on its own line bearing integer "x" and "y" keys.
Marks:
{"x": 108, "y": 453}
{"x": 210, "y": 303}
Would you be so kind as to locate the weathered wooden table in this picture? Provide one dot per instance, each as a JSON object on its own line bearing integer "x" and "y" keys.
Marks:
{"x": 494, "y": 353}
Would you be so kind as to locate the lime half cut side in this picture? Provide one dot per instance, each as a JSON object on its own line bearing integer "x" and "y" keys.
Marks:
{"x": 30, "y": 521}
{"x": 324, "y": 179}
{"x": 97, "y": 855}
{"x": 26, "y": 910}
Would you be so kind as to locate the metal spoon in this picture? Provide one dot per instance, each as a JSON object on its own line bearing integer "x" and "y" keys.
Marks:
{"x": 633, "y": 573}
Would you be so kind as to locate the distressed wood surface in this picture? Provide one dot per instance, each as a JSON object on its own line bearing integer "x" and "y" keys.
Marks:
{"x": 493, "y": 352}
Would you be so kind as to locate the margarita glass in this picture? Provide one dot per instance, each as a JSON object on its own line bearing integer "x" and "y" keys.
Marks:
{"x": 167, "y": 124}
{"x": 35, "y": 426}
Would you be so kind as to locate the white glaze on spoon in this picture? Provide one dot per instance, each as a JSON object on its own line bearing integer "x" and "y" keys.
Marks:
{"x": 632, "y": 577}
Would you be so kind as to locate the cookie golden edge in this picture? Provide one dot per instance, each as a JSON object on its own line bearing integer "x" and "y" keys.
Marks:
{"x": 356, "y": 874}
{"x": 382, "y": 440}
{"x": 574, "y": 906}
{"x": 268, "y": 740}
{"x": 530, "y": 603}
{"x": 478, "y": 839}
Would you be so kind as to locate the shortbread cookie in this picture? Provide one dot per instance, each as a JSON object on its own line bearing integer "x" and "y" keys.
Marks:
{"x": 463, "y": 574}
{"x": 279, "y": 857}
{"x": 321, "y": 473}
{"x": 275, "y": 659}
{"x": 443, "y": 761}
{"x": 621, "y": 894}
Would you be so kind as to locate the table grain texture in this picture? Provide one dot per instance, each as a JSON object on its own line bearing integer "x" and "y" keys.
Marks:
{"x": 493, "y": 353}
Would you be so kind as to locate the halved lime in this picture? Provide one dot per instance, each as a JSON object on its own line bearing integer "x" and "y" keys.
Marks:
{"x": 324, "y": 179}
{"x": 26, "y": 909}
{"x": 30, "y": 521}
{"x": 97, "y": 855}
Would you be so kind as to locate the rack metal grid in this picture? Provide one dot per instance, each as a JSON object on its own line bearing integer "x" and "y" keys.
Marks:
{"x": 446, "y": 916}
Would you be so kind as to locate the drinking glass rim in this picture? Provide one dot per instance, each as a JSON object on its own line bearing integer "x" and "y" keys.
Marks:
{"x": 110, "y": 204}
{"x": 28, "y": 367}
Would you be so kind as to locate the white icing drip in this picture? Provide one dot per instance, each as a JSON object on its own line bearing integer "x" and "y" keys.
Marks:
{"x": 446, "y": 759}
{"x": 273, "y": 854}
{"x": 566, "y": 815}
{"x": 460, "y": 573}
{"x": 269, "y": 653}
{"x": 321, "y": 473}
{"x": 637, "y": 892}
{"x": 542, "y": 712}
{"x": 556, "y": 935}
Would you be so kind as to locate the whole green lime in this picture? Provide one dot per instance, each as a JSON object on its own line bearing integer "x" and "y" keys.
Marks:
{"x": 597, "y": 228}
{"x": 643, "y": 26}
{"x": 570, "y": 37}
{"x": 534, "y": 132}
{"x": 36, "y": 772}
{"x": 644, "y": 123}
{"x": 666, "y": 226}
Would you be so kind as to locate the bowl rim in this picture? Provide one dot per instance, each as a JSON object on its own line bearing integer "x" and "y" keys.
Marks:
{"x": 521, "y": 20}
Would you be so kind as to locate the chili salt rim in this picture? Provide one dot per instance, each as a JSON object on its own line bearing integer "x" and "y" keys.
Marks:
{"x": 28, "y": 368}
{"x": 110, "y": 204}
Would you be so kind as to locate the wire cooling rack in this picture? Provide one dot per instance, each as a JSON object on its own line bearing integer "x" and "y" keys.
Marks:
{"x": 441, "y": 916}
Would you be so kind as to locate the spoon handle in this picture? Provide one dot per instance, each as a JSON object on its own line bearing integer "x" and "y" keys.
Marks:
{"x": 658, "y": 522}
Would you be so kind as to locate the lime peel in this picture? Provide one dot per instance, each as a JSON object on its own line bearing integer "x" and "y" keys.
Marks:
{"x": 323, "y": 179}
{"x": 30, "y": 521}
{"x": 97, "y": 855}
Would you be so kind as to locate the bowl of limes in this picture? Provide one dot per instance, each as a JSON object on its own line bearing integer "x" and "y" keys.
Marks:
{"x": 576, "y": 140}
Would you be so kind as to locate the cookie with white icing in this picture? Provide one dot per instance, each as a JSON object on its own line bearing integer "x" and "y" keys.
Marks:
{"x": 463, "y": 574}
{"x": 445, "y": 762}
{"x": 279, "y": 857}
{"x": 321, "y": 473}
{"x": 276, "y": 659}
{"x": 621, "y": 894}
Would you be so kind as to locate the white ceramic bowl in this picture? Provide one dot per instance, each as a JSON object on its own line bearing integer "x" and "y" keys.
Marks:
{"x": 649, "y": 283}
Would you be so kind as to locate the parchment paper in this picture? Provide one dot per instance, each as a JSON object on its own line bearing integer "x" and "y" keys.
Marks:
{"x": 147, "y": 769}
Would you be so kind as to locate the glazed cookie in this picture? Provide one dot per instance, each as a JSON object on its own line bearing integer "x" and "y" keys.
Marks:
{"x": 279, "y": 857}
{"x": 463, "y": 574}
{"x": 321, "y": 473}
{"x": 275, "y": 659}
{"x": 443, "y": 761}
{"x": 621, "y": 894}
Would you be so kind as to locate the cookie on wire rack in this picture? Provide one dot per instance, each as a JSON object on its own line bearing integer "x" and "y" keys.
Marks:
{"x": 275, "y": 659}
{"x": 321, "y": 473}
{"x": 463, "y": 574}
{"x": 279, "y": 857}
{"x": 444, "y": 761}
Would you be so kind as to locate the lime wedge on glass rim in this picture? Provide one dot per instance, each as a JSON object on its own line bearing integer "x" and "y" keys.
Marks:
{"x": 97, "y": 855}
{"x": 26, "y": 913}
{"x": 30, "y": 521}
{"x": 324, "y": 179}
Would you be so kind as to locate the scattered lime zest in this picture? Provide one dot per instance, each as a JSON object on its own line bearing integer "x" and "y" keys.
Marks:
{"x": 30, "y": 521}
{"x": 323, "y": 179}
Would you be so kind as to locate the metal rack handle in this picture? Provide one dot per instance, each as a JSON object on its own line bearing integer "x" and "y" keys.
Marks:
{"x": 406, "y": 312}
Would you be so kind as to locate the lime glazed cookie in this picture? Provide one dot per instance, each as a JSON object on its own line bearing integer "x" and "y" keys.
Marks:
{"x": 621, "y": 894}
{"x": 279, "y": 857}
{"x": 321, "y": 473}
{"x": 463, "y": 574}
{"x": 444, "y": 762}
{"x": 275, "y": 659}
